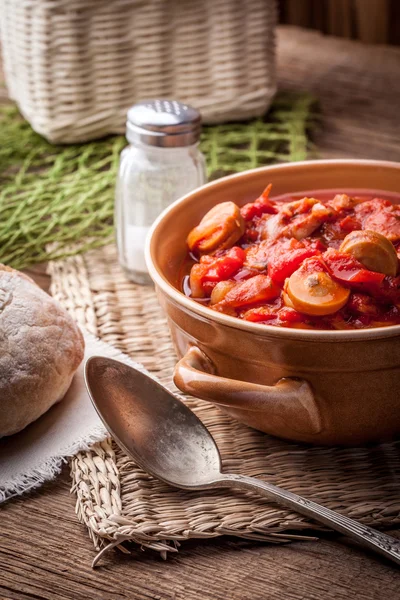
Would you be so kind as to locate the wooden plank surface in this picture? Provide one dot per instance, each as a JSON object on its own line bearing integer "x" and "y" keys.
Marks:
{"x": 358, "y": 89}
{"x": 46, "y": 554}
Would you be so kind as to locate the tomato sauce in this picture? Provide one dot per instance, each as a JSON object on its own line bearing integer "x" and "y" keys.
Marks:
{"x": 324, "y": 260}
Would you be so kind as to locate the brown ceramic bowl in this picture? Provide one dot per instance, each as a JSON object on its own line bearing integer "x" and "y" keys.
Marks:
{"x": 321, "y": 387}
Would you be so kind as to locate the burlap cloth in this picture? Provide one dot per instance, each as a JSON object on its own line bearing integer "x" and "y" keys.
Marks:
{"x": 118, "y": 501}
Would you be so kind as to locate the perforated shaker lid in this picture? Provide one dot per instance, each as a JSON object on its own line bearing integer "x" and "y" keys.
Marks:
{"x": 163, "y": 123}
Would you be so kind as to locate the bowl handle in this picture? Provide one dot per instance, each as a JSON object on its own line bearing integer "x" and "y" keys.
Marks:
{"x": 289, "y": 402}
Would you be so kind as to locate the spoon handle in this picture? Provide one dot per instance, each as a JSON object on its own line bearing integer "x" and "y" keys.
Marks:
{"x": 367, "y": 536}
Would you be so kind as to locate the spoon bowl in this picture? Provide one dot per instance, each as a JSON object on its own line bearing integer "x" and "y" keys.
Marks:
{"x": 162, "y": 434}
{"x": 167, "y": 440}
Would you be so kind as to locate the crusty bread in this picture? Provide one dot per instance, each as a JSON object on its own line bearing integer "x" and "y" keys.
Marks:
{"x": 40, "y": 349}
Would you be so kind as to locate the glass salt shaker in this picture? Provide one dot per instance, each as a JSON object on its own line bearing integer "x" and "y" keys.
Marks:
{"x": 161, "y": 164}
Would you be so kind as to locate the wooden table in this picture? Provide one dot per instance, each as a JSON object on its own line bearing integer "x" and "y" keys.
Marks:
{"x": 46, "y": 553}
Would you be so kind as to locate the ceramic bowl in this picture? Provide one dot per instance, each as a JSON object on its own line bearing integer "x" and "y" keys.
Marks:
{"x": 320, "y": 387}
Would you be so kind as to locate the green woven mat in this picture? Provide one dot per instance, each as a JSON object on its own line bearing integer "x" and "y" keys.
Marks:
{"x": 65, "y": 194}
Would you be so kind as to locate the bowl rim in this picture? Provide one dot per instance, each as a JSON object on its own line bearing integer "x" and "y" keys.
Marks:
{"x": 316, "y": 335}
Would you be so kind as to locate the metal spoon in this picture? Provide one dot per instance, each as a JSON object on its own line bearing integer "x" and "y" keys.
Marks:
{"x": 167, "y": 440}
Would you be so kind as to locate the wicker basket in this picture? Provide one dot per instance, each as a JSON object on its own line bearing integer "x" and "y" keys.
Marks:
{"x": 75, "y": 66}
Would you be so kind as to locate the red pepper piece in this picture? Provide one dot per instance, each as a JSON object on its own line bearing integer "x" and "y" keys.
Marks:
{"x": 346, "y": 269}
{"x": 365, "y": 276}
{"x": 211, "y": 269}
{"x": 290, "y": 315}
{"x": 283, "y": 263}
{"x": 251, "y": 291}
{"x": 225, "y": 266}
{"x": 260, "y": 206}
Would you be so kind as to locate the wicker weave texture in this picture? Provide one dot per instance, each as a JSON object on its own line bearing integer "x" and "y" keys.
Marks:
{"x": 118, "y": 501}
{"x": 75, "y": 66}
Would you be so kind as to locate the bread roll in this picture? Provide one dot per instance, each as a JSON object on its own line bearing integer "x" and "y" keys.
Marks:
{"x": 40, "y": 349}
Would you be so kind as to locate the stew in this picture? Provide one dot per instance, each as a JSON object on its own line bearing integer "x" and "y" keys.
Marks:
{"x": 313, "y": 262}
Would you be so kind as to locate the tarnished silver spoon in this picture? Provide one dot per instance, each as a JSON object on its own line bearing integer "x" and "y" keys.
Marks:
{"x": 167, "y": 440}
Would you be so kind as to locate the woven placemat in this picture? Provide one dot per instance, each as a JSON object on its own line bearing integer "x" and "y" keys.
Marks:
{"x": 118, "y": 501}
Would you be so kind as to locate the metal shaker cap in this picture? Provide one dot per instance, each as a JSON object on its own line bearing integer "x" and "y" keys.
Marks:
{"x": 163, "y": 123}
